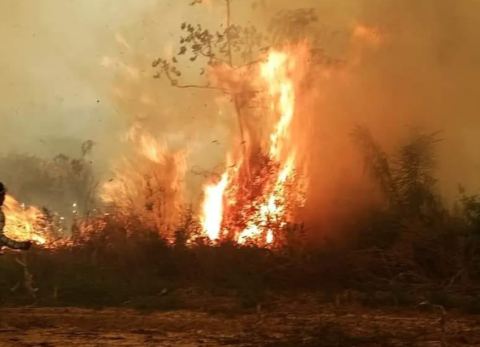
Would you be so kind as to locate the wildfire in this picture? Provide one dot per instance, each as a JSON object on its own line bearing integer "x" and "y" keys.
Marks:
{"x": 25, "y": 223}
{"x": 253, "y": 200}
{"x": 213, "y": 207}
{"x": 257, "y": 195}
{"x": 150, "y": 187}
{"x": 255, "y": 206}
{"x": 282, "y": 92}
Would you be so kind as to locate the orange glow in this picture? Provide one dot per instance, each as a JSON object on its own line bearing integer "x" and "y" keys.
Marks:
{"x": 255, "y": 208}
{"x": 148, "y": 186}
{"x": 24, "y": 223}
{"x": 213, "y": 208}
{"x": 282, "y": 92}
{"x": 256, "y": 197}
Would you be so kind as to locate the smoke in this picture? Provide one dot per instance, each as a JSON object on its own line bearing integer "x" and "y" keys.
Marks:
{"x": 53, "y": 86}
{"x": 80, "y": 70}
{"x": 425, "y": 76}
{"x": 422, "y": 73}
{"x": 407, "y": 66}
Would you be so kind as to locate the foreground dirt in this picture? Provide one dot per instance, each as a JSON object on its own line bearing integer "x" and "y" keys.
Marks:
{"x": 285, "y": 322}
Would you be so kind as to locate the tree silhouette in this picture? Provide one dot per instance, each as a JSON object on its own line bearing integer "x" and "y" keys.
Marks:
{"x": 233, "y": 46}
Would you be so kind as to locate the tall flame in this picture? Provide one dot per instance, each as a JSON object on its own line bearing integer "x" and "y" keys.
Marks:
{"x": 282, "y": 91}
{"x": 213, "y": 208}
{"x": 255, "y": 208}
{"x": 24, "y": 223}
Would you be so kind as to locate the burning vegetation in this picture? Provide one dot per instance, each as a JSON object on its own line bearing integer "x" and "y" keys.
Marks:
{"x": 254, "y": 200}
{"x": 262, "y": 186}
{"x": 247, "y": 221}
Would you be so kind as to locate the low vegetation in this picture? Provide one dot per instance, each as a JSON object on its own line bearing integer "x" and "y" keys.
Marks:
{"x": 410, "y": 249}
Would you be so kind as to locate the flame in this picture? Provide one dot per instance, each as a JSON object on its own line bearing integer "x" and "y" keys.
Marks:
{"x": 146, "y": 144}
{"x": 282, "y": 92}
{"x": 368, "y": 34}
{"x": 149, "y": 186}
{"x": 256, "y": 196}
{"x": 254, "y": 208}
{"x": 23, "y": 223}
{"x": 213, "y": 208}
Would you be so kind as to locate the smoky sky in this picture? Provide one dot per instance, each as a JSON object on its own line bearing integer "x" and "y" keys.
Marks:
{"x": 56, "y": 92}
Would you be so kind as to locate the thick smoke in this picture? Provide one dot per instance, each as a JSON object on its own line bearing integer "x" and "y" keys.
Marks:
{"x": 408, "y": 66}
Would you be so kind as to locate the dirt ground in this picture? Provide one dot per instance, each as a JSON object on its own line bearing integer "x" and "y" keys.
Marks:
{"x": 286, "y": 322}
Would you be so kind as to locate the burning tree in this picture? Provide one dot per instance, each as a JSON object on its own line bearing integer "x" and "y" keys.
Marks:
{"x": 230, "y": 50}
{"x": 264, "y": 181}
{"x": 258, "y": 205}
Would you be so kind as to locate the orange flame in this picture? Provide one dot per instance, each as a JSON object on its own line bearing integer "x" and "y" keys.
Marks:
{"x": 211, "y": 219}
{"x": 255, "y": 208}
{"x": 282, "y": 91}
{"x": 24, "y": 223}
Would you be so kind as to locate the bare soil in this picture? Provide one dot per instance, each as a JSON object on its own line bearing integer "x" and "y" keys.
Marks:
{"x": 283, "y": 322}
